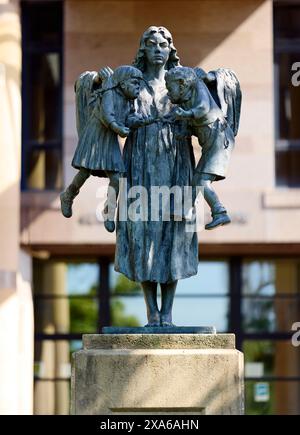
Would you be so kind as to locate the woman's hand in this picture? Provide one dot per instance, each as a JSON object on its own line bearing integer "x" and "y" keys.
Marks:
{"x": 136, "y": 120}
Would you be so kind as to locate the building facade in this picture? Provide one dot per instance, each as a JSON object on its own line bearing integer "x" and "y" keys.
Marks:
{"x": 45, "y": 45}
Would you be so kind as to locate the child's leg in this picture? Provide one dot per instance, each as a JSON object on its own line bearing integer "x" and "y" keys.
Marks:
{"x": 218, "y": 211}
{"x": 205, "y": 181}
{"x": 114, "y": 178}
{"x": 67, "y": 197}
{"x": 111, "y": 202}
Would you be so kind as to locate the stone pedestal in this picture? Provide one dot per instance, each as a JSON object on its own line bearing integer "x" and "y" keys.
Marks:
{"x": 158, "y": 374}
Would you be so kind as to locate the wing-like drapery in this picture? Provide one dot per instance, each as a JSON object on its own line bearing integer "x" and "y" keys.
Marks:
{"x": 229, "y": 94}
{"x": 225, "y": 89}
{"x": 84, "y": 87}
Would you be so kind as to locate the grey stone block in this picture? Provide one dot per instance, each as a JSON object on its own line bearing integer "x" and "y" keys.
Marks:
{"x": 158, "y": 374}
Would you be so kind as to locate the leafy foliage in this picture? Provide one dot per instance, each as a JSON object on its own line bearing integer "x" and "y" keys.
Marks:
{"x": 84, "y": 311}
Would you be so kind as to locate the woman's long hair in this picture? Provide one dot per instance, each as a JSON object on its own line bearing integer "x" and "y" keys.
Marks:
{"x": 140, "y": 59}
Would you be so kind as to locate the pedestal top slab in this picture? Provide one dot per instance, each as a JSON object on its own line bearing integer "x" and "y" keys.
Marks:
{"x": 159, "y": 341}
{"x": 160, "y": 330}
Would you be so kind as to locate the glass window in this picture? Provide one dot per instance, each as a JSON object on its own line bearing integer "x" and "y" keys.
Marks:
{"x": 272, "y": 397}
{"x": 271, "y": 295}
{"x": 47, "y": 19}
{"x": 272, "y": 371}
{"x": 286, "y": 20}
{"x": 201, "y": 300}
{"x": 52, "y": 373}
{"x": 202, "y": 311}
{"x": 212, "y": 279}
{"x": 270, "y": 314}
{"x": 66, "y": 299}
{"x": 258, "y": 278}
{"x": 287, "y": 96}
{"x": 66, "y": 315}
{"x": 42, "y": 95}
{"x": 82, "y": 278}
{"x": 288, "y": 167}
{"x": 128, "y": 311}
{"x": 120, "y": 284}
{"x": 278, "y": 358}
{"x": 43, "y": 168}
{"x": 67, "y": 304}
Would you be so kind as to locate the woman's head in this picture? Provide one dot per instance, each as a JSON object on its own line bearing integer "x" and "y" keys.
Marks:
{"x": 157, "y": 48}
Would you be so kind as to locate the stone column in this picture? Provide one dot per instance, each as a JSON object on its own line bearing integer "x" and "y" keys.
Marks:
{"x": 16, "y": 319}
{"x": 158, "y": 374}
{"x": 52, "y": 316}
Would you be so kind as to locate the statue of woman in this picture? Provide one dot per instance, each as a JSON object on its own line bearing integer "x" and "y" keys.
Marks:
{"x": 156, "y": 252}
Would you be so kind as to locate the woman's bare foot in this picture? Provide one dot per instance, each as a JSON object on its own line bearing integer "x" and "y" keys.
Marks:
{"x": 153, "y": 320}
{"x": 166, "y": 320}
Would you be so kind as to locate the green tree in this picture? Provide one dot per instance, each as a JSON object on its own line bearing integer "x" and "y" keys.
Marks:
{"x": 84, "y": 311}
{"x": 125, "y": 286}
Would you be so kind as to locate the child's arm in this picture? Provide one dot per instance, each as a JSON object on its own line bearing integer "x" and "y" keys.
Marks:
{"x": 121, "y": 130}
{"x": 202, "y": 105}
{"x": 108, "y": 115}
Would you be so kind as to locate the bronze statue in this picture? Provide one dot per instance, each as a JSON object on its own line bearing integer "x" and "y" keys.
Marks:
{"x": 157, "y": 153}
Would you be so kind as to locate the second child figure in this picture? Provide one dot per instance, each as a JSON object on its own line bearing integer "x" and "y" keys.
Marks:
{"x": 213, "y": 117}
{"x": 102, "y": 116}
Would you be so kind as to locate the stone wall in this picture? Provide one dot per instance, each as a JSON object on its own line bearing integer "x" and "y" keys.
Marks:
{"x": 209, "y": 33}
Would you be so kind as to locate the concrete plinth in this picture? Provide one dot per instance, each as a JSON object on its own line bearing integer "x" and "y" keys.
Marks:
{"x": 158, "y": 374}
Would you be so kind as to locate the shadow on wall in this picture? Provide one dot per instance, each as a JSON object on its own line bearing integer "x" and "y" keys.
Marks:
{"x": 112, "y": 38}
{"x": 198, "y": 27}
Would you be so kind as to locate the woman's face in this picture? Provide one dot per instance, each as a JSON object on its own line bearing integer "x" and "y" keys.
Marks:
{"x": 157, "y": 49}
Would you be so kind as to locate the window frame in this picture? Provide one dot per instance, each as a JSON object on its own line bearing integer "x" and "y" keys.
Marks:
{"x": 29, "y": 48}
{"x": 282, "y": 45}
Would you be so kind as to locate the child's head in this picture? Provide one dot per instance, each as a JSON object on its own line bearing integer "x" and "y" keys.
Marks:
{"x": 128, "y": 78}
{"x": 179, "y": 80}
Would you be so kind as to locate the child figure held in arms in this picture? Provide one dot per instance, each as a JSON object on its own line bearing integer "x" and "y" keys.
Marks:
{"x": 103, "y": 114}
{"x": 204, "y": 119}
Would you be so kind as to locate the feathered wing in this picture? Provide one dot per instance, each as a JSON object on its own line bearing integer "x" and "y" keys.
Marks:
{"x": 85, "y": 98}
{"x": 228, "y": 91}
